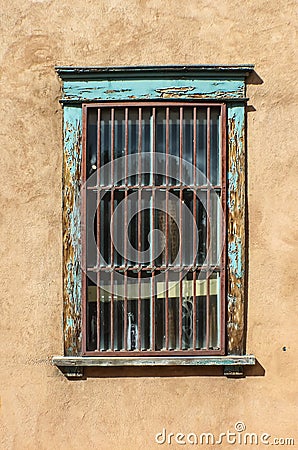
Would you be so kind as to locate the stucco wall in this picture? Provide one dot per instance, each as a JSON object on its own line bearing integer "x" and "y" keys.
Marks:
{"x": 124, "y": 409}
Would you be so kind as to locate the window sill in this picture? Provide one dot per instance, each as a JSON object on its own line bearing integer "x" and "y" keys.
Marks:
{"x": 73, "y": 365}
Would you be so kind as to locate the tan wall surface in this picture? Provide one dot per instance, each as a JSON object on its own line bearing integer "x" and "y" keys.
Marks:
{"x": 124, "y": 409}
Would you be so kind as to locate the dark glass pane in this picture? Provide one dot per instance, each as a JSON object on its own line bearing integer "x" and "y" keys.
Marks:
{"x": 160, "y": 324}
{"x": 119, "y": 149}
{"x": 160, "y": 146}
{"x": 132, "y": 311}
{"x": 91, "y": 153}
{"x": 146, "y": 143}
{"x": 174, "y": 146}
{"x": 118, "y": 324}
{"x": 105, "y": 311}
{"x": 201, "y": 217}
{"x": 187, "y": 225}
{"x": 105, "y": 218}
{"x": 132, "y": 227}
{"x": 145, "y": 310}
{"x": 105, "y": 145}
{"x": 91, "y": 335}
{"x": 188, "y": 145}
{"x": 215, "y": 146}
{"x": 119, "y": 232}
{"x": 201, "y": 144}
{"x": 91, "y": 228}
{"x": 133, "y": 143}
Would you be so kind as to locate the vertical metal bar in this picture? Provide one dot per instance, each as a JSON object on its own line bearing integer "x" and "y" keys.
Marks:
{"x": 139, "y": 227}
{"x": 208, "y": 231}
{"x": 139, "y": 311}
{"x": 223, "y": 157}
{"x": 167, "y": 232}
{"x": 112, "y": 310}
{"x": 195, "y": 244}
{"x": 152, "y": 345}
{"x": 112, "y": 226}
{"x": 125, "y": 230}
{"x": 167, "y": 308}
{"x": 153, "y": 144}
{"x": 83, "y": 229}
{"x": 194, "y": 322}
{"x": 98, "y": 227}
{"x": 167, "y": 144}
{"x": 125, "y": 310}
{"x": 152, "y": 233}
{"x": 140, "y": 148}
{"x": 181, "y": 223}
{"x": 112, "y": 145}
{"x": 180, "y": 142}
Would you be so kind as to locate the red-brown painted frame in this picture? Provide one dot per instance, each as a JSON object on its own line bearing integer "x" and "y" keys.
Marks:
{"x": 221, "y": 268}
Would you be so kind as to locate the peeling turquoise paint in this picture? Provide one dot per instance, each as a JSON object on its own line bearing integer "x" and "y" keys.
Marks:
{"x": 236, "y": 227}
{"x": 154, "y": 89}
{"x": 235, "y": 257}
{"x": 157, "y": 88}
{"x": 72, "y": 229}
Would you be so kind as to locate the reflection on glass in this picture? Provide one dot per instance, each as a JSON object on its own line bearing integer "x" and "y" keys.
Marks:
{"x": 214, "y": 311}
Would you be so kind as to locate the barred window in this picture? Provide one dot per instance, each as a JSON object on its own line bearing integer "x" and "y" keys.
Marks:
{"x": 153, "y": 228}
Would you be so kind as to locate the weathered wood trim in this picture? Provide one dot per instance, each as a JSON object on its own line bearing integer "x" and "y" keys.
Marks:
{"x": 89, "y": 361}
{"x": 179, "y": 71}
{"x": 236, "y": 229}
{"x": 153, "y": 89}
{"x": 72, "y": 230}
{"x": 187, "y": 88}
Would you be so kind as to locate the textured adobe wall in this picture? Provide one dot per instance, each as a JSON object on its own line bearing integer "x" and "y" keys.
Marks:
{"x": 124, "y": 409}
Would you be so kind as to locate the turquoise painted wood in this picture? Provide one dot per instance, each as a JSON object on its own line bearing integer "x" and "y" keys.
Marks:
{"x": 236, "y": 228}
{"x": 72, "y": 280}
{"x": 222, "y": 87}
{"x": 154, "y": 89}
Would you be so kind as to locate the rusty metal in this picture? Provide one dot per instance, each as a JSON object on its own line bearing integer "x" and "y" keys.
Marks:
{"x": 166, "y": 266}
{"x": 223, "y": 260}
{"x": 208, "y": 228}
{"x": 98, "y": 224}
{"x": 194, "y": 317}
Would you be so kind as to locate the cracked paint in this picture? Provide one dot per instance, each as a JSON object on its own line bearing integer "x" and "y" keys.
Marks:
{"x": 236, "y": 229}
{"x": 72, "y": 230}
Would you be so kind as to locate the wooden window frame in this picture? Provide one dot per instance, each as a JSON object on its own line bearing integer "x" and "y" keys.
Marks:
{"x": 223, "y": 84}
